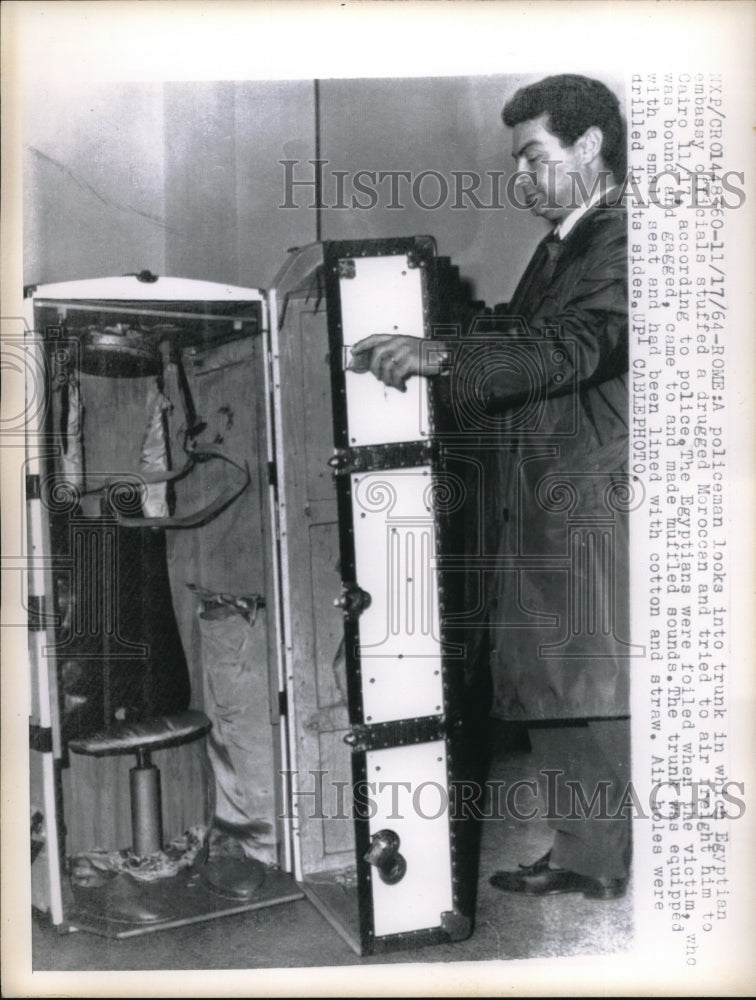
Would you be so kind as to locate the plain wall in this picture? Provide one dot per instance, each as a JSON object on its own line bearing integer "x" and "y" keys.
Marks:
{"x": 176, "y": 178}
{"x": 224, "y": 185}
{"x": 94, "y": 180}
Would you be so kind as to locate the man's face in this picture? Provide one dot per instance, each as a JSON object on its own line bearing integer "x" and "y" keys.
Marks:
{"x": 546, "y": 187}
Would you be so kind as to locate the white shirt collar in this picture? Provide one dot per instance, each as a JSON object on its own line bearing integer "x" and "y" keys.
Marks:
{"x": 569, "y": 222}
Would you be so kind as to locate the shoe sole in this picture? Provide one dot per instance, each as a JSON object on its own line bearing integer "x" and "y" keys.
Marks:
{"x": 602, "y": 893}
{"x": 605, "y": 892}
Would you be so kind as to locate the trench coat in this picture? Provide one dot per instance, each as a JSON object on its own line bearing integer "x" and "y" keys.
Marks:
{"x": 542, "y": 386}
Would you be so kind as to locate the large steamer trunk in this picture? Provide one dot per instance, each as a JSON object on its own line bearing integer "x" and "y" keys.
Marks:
{"x": 354, "y": 503}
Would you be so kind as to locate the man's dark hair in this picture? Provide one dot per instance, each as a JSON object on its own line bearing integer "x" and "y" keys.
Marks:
{"x": 574, "y": 103}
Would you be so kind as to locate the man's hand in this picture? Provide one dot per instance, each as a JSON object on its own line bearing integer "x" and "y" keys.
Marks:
{"x": 393, "y": 358}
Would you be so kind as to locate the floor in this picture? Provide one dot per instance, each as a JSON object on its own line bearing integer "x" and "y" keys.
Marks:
{"x": 294, "y": 935}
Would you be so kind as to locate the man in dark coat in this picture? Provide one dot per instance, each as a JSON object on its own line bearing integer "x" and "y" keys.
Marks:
{"x": 544, "y": 382}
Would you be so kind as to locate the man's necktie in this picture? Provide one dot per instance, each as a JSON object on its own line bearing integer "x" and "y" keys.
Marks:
{"x": 538, "y": 275}
{"x": 554, "y": 246}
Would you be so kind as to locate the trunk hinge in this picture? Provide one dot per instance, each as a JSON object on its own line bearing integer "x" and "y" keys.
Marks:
{"x": 33, "y": 491}
{"x": 37, "y": 617}
{"x": 40, "y": 738}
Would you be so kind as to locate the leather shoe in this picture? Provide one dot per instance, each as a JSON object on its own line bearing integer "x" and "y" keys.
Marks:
{"x": 539, "y": 879}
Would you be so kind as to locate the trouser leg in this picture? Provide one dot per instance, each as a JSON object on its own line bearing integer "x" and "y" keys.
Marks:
{"x": 594, "y": 842}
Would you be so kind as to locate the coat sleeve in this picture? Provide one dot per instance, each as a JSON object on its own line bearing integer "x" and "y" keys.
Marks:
{"x": 577, "y": 337}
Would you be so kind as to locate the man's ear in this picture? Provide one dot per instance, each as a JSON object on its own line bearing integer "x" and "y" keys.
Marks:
{"x": 591, "y": 143}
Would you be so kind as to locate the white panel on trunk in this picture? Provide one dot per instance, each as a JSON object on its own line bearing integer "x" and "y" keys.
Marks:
{"x": 411, "y": 795}
{"x": 394, "y": 548}
{"x": 384, "y": 296}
